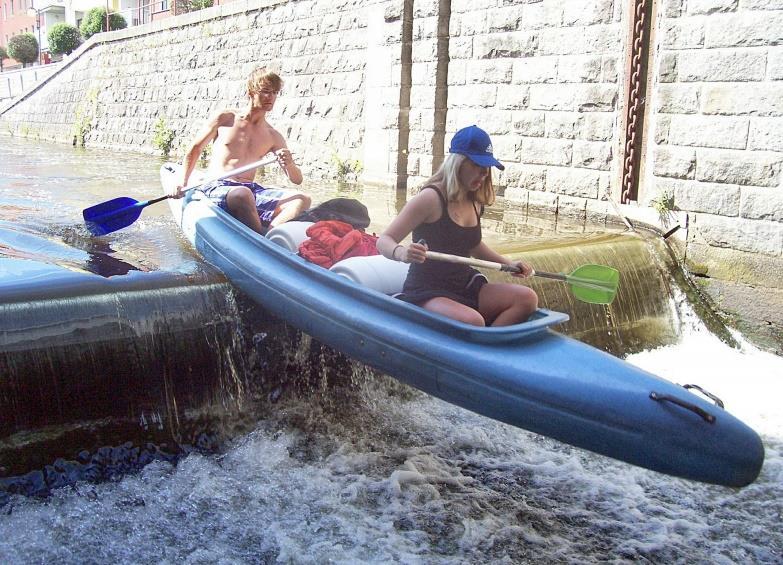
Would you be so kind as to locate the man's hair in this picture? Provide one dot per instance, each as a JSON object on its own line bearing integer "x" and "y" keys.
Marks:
{"x": 262, "y": 78}
{"x": 447, "y": 175}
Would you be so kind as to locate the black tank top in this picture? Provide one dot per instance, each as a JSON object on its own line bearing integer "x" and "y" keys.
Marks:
{"x": 446, "y": 236}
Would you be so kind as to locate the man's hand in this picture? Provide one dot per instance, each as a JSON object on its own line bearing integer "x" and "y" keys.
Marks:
{"x": 176, "y": 191}
{"x": 284, "y": 158}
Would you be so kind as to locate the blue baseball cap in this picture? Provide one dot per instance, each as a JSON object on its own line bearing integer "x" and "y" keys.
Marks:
{"x": 474, "y": 143}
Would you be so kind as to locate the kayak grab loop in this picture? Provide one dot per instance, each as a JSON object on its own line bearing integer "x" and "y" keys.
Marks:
{"x": 706, "y": 416}
{"x": 718, "y": 402}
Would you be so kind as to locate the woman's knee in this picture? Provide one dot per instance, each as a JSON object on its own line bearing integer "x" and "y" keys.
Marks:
{"x": 472, "y": 317}
{"x": 528, "y": 298}
{"x": 509, "y": 303}
{"x": 455, "y": 311}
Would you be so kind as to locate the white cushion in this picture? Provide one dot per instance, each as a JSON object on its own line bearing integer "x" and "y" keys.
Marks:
{"x": 375, "y": 271}
{"x": 289, "y": 235}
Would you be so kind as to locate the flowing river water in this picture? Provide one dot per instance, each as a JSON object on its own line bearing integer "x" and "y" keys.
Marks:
{"x": 352, "y": 467}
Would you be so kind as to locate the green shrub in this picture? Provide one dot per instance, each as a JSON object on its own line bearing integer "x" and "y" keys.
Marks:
{"x": 184, "y": 6}
{"x": 164, "y": 137}
{"x": 23, "y": 48}
{"x": 664, "y": 205}
{"x": 63, "y": 38}
{"x": 347, "y": 169}
{"x": 95, "y": 22}
{"x": 3, "y": 55}
{"x": 85, "y": 115}
{"x": 205, "y": 156}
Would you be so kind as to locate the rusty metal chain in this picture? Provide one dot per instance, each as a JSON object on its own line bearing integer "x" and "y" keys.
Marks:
{"x": 633, "y": 114}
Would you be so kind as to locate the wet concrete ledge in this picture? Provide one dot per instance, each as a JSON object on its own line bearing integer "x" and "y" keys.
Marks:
{"x": 76, "y": 348}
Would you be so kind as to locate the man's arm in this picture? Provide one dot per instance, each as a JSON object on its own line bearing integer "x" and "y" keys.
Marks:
{"x": 290, "y": 167}
{"x": 206, "y": 135}
{"x": 286, "y": 159}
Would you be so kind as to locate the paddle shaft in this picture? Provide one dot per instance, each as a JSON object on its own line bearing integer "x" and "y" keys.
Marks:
{"x": 118, "y": 213}
{"x": 227, "y": 174}
{"x": 488, "y": 264}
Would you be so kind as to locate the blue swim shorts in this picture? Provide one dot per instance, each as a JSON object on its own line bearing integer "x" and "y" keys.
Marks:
{"x": 267, "y": 199}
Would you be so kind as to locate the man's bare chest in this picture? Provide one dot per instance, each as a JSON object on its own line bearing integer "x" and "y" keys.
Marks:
{"x": 245, "y": 139}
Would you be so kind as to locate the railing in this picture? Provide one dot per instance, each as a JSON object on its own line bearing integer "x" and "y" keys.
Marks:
{"x": 146, "y": 11}
{"x": 14, "y": 83}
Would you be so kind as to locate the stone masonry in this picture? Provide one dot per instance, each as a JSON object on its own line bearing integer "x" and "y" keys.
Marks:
{"x": 387, "y": 82}
{"x": 718, "y": 128}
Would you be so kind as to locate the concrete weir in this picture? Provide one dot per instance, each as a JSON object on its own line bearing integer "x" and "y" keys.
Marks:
{"x": 83, "y": 358}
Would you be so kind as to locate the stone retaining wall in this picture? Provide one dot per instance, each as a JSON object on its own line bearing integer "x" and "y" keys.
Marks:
{"x": 386, "y": 83}
{"x": 718, "y": 132}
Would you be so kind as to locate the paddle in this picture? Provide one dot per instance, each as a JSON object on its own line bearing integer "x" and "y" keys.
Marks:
{"x": 121, "y": 212}
{"x": 594, "y": 284}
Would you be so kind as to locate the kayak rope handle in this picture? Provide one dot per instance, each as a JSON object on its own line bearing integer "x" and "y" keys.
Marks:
{"x": 718, "y": 402}
{"x": 706, "y": 416}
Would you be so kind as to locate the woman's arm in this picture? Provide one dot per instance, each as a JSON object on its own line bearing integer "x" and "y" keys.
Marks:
{"x": 486, "y": 253}
{"x": 422, "y": 208}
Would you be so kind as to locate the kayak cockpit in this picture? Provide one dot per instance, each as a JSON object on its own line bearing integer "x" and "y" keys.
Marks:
{"x": 387, "y": 277}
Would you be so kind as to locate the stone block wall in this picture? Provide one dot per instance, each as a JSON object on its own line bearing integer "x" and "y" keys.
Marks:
{"x": 542, "y": 78}
{"x": 718, "y": 129}
{"x": 113, "y": 91}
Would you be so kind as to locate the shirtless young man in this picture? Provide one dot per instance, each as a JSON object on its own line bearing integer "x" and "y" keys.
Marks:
{"x": 239, "y": 139}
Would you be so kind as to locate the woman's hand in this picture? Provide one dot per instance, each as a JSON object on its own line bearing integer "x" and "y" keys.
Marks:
{"x": 413, "y": 253}
{"x": 525, "y": 269}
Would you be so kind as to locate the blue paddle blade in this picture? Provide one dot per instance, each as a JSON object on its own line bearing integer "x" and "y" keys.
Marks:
{"x": 112, "y": 215}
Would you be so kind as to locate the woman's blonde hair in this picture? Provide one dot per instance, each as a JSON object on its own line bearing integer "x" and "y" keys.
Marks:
{"x": 263, "y": 78}
{"x": 448, "y": 176}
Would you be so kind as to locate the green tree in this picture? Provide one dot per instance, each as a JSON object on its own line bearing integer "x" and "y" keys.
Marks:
{"x": 95, "y": 22}
{"x": 184, "y": 6}
{"x": 23, "y": 48}
{"x": 63, "y": 38}
{"x": 3, "y": 55}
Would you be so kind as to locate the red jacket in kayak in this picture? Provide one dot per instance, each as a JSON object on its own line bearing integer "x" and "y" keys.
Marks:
{"x": 331, "y": 241}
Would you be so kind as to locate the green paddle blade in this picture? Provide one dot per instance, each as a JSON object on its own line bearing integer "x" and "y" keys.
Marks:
{"x": 594, "y": 284}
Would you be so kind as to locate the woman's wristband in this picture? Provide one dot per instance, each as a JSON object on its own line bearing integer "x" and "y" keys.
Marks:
{"x": 396, "y": 247}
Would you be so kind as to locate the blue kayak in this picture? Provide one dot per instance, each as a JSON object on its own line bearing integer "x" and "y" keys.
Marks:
{"x": 525, "y": 375}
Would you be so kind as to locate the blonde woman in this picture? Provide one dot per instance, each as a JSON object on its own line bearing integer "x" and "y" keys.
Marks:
{"x": 446, "y": 214}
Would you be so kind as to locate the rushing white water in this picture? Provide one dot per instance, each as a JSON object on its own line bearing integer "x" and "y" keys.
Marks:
{"x": 377, "y": 474}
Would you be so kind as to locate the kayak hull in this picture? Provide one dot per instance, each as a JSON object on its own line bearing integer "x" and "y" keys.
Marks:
{"x": 526, "y": 375}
